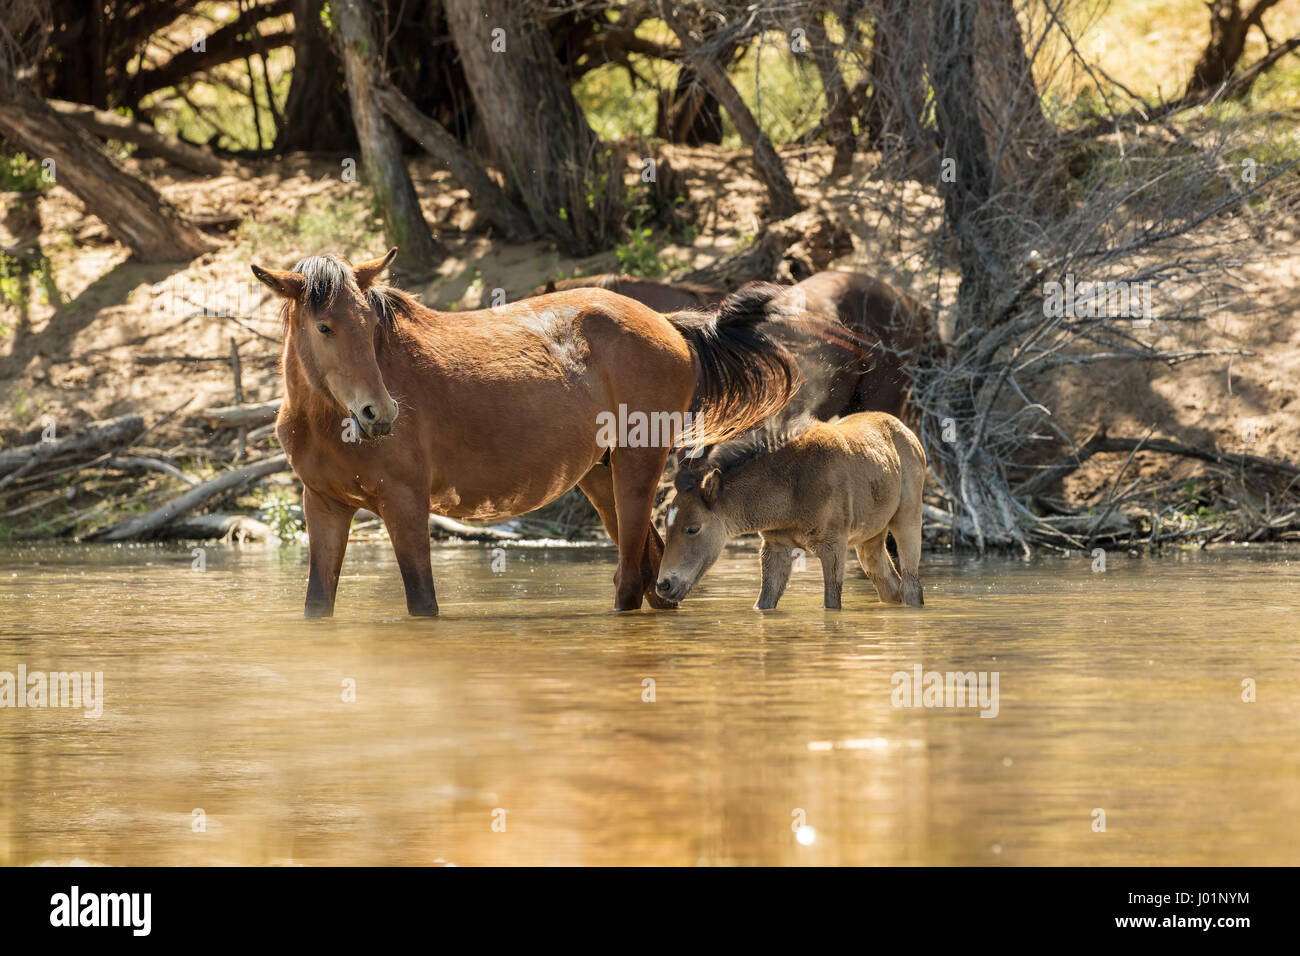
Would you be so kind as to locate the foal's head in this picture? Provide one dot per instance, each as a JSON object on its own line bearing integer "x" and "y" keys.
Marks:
{"x": 697, "y": 532}
{"x": 332, "y": 330}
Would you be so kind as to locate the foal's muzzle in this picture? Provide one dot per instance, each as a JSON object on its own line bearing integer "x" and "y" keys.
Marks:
{"x": 672, "y": 587}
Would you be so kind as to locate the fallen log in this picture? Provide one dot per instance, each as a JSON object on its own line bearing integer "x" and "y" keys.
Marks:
{"x": 93, "y": 440}
{"x": 439, "y": 525}
{"x": 138, "y": 463}
{"x": 146, "y": 525}
{"x": 242, "y": 416}
{"x": 217, "y": 527}
{"x": 108, "y": 125}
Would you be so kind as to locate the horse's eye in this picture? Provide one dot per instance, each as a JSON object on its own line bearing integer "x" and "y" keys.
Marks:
{"x": 324, "y": 329}
{"x": 693, "y": 529}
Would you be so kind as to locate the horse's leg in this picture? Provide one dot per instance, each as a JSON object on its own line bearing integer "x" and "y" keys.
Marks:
{"x": 598, "y": 486}
{"x": 406, "y": 516}
{"x": 875, "y": 560}
{"x": 834, "y": 556}
{"x": 775, "y": 564}
{"x": 640, "y": 549}
{"x": 327, "y": 539}
{"x": 907, "y": 535}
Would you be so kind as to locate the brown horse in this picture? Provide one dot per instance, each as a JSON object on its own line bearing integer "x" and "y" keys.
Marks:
{"x": 855, "y": 338}
{"x": 660, "y": 296}
{"x": 485, "y": 415}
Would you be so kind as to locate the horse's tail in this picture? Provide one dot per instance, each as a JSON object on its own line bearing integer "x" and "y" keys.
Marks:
{"x": 742, "y": 375}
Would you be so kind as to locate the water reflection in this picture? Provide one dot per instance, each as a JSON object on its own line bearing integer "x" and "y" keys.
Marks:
{"x": 519, "y": 727}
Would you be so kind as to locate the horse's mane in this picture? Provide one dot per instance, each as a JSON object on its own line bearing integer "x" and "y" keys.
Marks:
{"x": 392, "y": 304}
{"x": 731, "y": 456}
{"x": 323, "y": 277}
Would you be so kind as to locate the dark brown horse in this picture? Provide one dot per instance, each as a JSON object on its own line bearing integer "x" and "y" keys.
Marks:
{"x": 485, "y": 415}
{"x": 855, "y": 338}
{"x": 660, "y": 296}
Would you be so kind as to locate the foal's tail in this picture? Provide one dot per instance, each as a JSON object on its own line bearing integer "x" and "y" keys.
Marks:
{"x": 742, "y": 375}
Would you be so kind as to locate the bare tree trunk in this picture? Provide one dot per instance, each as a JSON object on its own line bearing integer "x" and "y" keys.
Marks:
{"x": 1229, "y": 26}
{"x": 783, "y": 202}
{"x": 316, "y": 110}
{"x": 132, "y": 210}
{"x": 839, "y": 105}
{"x": 487, "y": 196}
{"x": 895, "y": 117}
{"x": 569, "y": 182}
{"x": 109, "y": 125}
{"x": 381, "y": 156}
{"x": 1001, "y": 176}
{"x": 1001, "y": 160}
{"x": 1021, "y": 142}
{"x": 689, "y": 115}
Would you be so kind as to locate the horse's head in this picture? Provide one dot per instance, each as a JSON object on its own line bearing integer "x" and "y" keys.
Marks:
{"x": 333, "y": 331}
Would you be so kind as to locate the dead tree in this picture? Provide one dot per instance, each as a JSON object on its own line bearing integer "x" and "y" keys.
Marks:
{"x": 133, "y": 210}
{"x": 316, "y": 109}
{"x": 781, "y": 196}
{"x": 896, "y": 116}
{"x": 569, "y": 182}
{"x": 381, "y": 156}
{"x": 839, "y": 104}
{"x": 489, "y": 198}
{"x": 1229, "y": 26}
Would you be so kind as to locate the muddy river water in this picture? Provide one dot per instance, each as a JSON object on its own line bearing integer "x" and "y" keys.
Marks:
{"x": 1147, "y": 714}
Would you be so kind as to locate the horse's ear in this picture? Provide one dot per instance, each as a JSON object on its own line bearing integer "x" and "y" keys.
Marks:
{"x": 368, "y": 272}
{"x": 550, "y": 285}
{"x": 287, "y": 285}
{"x": 711, "y": 487}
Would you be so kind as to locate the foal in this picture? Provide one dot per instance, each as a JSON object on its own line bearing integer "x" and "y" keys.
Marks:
{"x": 820, "y": 490}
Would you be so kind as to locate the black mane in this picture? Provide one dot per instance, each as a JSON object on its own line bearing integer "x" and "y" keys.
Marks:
{"x": 325, "y": 275}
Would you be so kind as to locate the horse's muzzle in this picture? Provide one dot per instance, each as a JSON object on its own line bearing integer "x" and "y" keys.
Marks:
{"x": 373, "y": 425}
{"x": 373, "y": 430}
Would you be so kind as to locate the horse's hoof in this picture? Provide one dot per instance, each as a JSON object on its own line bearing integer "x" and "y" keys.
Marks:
{"x": 423, "y": 611}
{"x": 316, "y": 611}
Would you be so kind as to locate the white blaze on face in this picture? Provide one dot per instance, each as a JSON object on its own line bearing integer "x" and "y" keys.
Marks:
{"x": 672, "y": 516}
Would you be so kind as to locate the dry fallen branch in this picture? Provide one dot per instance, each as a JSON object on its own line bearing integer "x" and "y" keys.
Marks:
{"x": 91, "y": 441}
{"x": 242, "y": 416}
{"x": 143, "y": 526}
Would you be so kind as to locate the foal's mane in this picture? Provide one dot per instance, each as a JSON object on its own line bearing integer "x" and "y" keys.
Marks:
{"x": 730, "y": 456}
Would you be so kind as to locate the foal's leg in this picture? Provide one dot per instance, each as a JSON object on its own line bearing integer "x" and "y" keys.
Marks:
{"x": 834, "y": 556}
{"x": 776, "y": 564}
{"x": 640, "y": 549}
{"x": 327, "y": 539}
{"x": 875, "y": 560}
{"x": 598, "y": 486}
{"x": 406, "y": 516}
{"x": 907, "y": 535}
